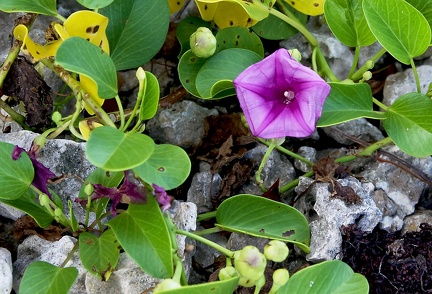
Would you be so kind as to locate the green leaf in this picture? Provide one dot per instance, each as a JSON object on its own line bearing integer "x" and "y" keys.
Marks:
{"x": 149, "y": 104}
{"x": 400, "y": 28}
{"x": 273, "y": 28}
{"x": 348, "y": 23}
{"x": 15, "y": 175}
{"x": 91, "y": 62}
{"x": 47, "y": 7}
{"x": 44, "y": 278}
{"x": 143, "y": 234}
{"x": 188, "y": 68}
{"x": 100, "y": 255}
{"x": 409, "y": 124}
{"x": 28, "y": 204}
{"x": 239, "y": 37}
{"x": 261, "y": 217}
{"x": 425, "y": 8}
{"x": 218, "y": 287}
{"x": 347, "y": 102}
{"x": 333, "y": 276}
{"x": 73, "y": 221}
{"x": 94, "y": 4}
{"x": 113, "y": 150}
{"x": 225, "y": 65}
{"x": 136, "y": 30}
{"x": 186, "y": 28}
{"x": 168, "y": 167}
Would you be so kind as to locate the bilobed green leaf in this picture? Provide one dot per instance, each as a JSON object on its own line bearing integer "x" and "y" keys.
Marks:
{"x": 15, "y": 175}
{"x": 239, "y": 37}
{"x": 143, "y": 234}
{"x": 149, "y": 104}
{"x": 136, "y": 30}
{"x": 113, "y": 150}
{"x": 400, "y": 28}
{"x": 94, "y": 4}
{"x": 425, "y": 8}
{"x": 100, "y": 255}
{"x": 348, "y": 23}
{"x": 261, "y": 217}
{"x": 47, "y": 7}
{"x": 347, "y": 102}
{"x": 91, "y": 62}
{"x": 186, "y": 28}
{"x": 218, "y": 287}
{"x": 188, "y": 68}
{"x": 28, "y": 204}
{"x": 167, "y": 167}
{"x": 44, "y": 278}
{"x": 333, "y": 276}
{"x": 409, "y": 124}
{"x": 225, "y": 65}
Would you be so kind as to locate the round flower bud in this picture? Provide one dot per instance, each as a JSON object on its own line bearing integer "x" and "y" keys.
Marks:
{"x": 370, "y": 64}
{"x": 88, "y": 189}
{"x": 276, "y": 251}
{"x": 165, "y": 285}
{"x": 58, "y": 212}
{"x": 295, "y": 54}
{"x": 203, "y": 42}
{"x": 227, "y": 273}
{"x": 44, "y": 199}
{"x": 280, "y": 276}
{"x": 56, "y": 117}
{"x": 250, "y": 263}
{"x": 367, "y": 75}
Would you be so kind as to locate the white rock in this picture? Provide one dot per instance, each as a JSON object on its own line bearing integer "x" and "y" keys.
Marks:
{"x": 5, "y": 271}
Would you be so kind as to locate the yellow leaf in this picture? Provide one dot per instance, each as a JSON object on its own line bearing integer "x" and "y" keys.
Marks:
{"x": 175, "y": 5}
{"x": 309, "y": 7}
{"x": 86, "y": 126}
{"x": 90, "y": 87}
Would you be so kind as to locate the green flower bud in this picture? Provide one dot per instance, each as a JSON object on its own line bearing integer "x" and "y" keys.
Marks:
{"x": 227, "y": 273}
{"x": 165, "y": 285}
{"x": 203, "y": 42}
{"x": 245, "y": 282}
{"x": 370, "y": 64}
{"x": 56, "y": 117}
{"x": 280, "y": 278}
{"x": 276, "y": 251}
{"x": 295, "y": 54}
{"x": 44, "y": 200}
{"x": 250, "y": 263}
{"x": 58, "y": 212}
{"x": 367, "y": 75}
{"x": 259, "y": 284}
{"x": 88, "y": 189}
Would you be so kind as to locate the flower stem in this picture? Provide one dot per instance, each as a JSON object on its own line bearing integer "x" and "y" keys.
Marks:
{"x": 416, "y": 75}
{"x": 355, "y": 61}
{"x": 206, "y": 216}
{"x": 122, "y": 116}
{"x": 264, "y": 160}
{"x": 359, "y": 73}
{"x": 224, "y": 250}
{"x": 71, "y": 253}
{"x": 208, "y": 231}
{"x": 287, "y": 152}
{"x": 380, "y": 104}
{"x": 18, "y": 118}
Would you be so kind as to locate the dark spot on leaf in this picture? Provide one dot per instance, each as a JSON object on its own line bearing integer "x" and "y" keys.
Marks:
{"x": 193, "y": 59}
{"x": 89, "y": 241}
{"x": 288, "y": 233}
{"x": 107, "y": 174}
{"x": 187, "y": 81}
{"x": 238, "y": 37}
{"x": 236, "y": 43}
{"x": 89, "y": 30}
{"x": 205, "y": 7}
{"x": 95, "y": 29}
{"x": 262, "y": 231}
{"x": 37, "y": 53}
{"x": 292, "y": 3}
{"x": 161, "y": 169}
{"x": 88, "y": 39}
{"x": 316, "y": 4}
{"x": 231, "y": 23}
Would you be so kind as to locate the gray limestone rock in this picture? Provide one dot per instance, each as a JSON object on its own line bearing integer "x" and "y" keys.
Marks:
{"x": 400, "y": 190}
{"x": 182, "y": 124}
{"x": 359, "y": 128}
{"x": 402, "y": 83}
{"x": 327, "y": 214}
{"x": 5, "y": 271}
{"x": 310, "y": 154}
{"x": 204, "y": 185}
{"x": 412, "y": 222}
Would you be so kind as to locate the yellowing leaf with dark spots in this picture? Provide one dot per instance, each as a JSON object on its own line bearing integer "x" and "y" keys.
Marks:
{"x": 90, "y": 87}
{"x": 229, "y": 13}
{"x": 175, "y": 5}
{"x": 309, "y": 7}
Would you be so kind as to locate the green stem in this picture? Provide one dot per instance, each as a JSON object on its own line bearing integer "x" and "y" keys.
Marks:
{"x": 206, "y": 216}
{"x": 264, "y": 160}
{"x": 294, "y": 183}
{"x": 18, "y": 118}
{"x": 380, "y": 104}
{"x": 416, "y": 75}
{"x": 60, "y": 17}
{"x": 120, "y": 107}
{"x": 71, "y": 253}
{"x": 359, "y": 73}
{"x": 355, "y": 61}
{"x": 287, "y": 152}
{"x": 325, "y": 68}
{"x": 224, "y": 250}
{"x": 208, "y": 231}
{"x": 10, "y": 58}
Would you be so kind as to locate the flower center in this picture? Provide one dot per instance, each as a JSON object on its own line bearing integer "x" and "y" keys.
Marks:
{"x": 289, "y": 96}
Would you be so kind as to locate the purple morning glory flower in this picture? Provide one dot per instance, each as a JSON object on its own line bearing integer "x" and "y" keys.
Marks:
{"x": 280, "y": 97}
{"x": 162, "y": 197}
{"x": 128, "y": 192}
{"x": 41, "y": 173}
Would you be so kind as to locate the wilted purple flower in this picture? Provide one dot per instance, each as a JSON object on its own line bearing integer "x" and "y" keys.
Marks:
{"x": 280, "y": 97}
{"x": 128, "y": 192}
{"x": 41, "y": 173}
{"x": 162, "y": 197}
